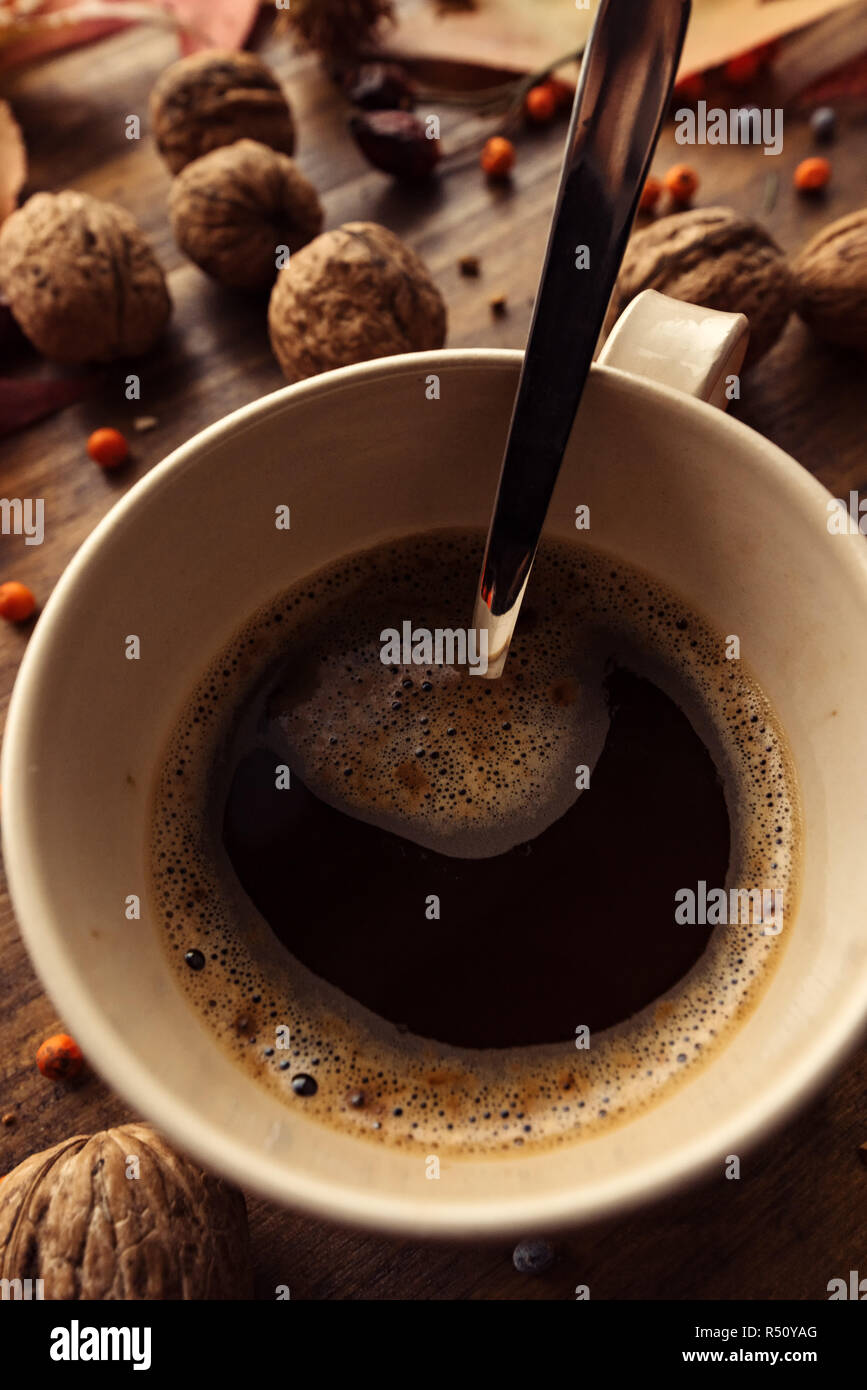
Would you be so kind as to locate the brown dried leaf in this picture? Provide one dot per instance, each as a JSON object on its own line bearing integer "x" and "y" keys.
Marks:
{"x": 13, "y": 161}
{"x": 513, "y": 33}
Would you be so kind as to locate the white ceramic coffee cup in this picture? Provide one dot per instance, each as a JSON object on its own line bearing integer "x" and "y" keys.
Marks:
{"x": 675, "y": 487}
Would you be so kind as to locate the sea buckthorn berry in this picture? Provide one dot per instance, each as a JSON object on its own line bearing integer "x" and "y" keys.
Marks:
{"x": 812, "y": 174}
{"x": 60, "y": 1058}
{"x": 564, "y": 92}
{"x": 650, "y": 194}
{"x": 681, "y": 182}
{"x": 498, "y": 157}
{"x": 16, "y": 601}
{"x": 743, "y": 69}
{"x": 107, "y": 447}
{"x": 540, "y": 104}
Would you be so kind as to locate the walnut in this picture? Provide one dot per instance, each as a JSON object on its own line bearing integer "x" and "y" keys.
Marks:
{"x": 215, "y": 98}
{"x": 715, "y": 258}
{"x": 81, "y": 280}
{"x": 831, "y": 282}
{"x": 232, "y": 208}
{"x": 353, "y": 294}
{"x": 121, "y": 1215}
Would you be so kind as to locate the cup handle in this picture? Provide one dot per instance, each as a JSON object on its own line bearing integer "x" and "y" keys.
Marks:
{"x": 680, "y": 345}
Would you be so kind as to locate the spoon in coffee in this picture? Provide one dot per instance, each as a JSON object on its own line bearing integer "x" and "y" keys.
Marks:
{"x": 626, "y": 81}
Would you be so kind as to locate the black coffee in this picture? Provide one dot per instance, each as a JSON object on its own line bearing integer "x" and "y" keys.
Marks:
{"x": 576, "y": 925}
{"x": 429, "y": 996}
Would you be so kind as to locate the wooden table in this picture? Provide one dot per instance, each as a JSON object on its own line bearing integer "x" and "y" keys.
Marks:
{"x": 796, "y": 1218}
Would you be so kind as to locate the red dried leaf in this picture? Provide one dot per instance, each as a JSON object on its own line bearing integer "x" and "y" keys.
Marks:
{"x": 53, "y": 25}
{"x": 214, "y": 23}
{"x": 24, "y": 402}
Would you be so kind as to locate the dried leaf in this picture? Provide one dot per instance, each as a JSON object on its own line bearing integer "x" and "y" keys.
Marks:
{"x": 822, "y": 58}
{"x": 512, "y": 33}
{"x": 13, "y": 161}
{"x": 46, "y": 26}
{"x": 24, "y": 402}
{"x": 57, "y": 24}
{"x": 214, "y": 23}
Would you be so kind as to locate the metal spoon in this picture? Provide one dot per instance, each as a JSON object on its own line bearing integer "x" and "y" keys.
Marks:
{"x": 626, "y": 81}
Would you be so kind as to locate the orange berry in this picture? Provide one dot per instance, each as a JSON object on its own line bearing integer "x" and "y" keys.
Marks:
{"x": 107, "y": 447}
{"x": 498, "y": 157}
{"x": 812, "y": 174}
{"x": 540, "y": 104}
{"x": 681, "y": 182}
{"x": 16, "y": 601}
{"x": 564, "y": 92}
{"x": 743, "y": 69}
{"x": 650, "y": 194}
{"x": 59, "y": 1058}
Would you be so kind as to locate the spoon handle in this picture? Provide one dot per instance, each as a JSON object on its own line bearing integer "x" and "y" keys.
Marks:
{"x": 626, "y": 80}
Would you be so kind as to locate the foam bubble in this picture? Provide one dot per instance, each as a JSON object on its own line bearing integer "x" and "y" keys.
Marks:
{"x": 372, "y": 1079}
{"x": 456, "y": 763}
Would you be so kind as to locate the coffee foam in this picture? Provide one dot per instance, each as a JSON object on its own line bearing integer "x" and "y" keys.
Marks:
{"x": 416, "y": 1091}
{"x": 457, "y": 763}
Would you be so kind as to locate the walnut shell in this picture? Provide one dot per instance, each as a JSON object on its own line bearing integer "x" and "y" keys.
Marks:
{"x": 82, "y": 281}
{"x": 831, "y": 282}
{"x": 716, "y": 258}
{"x": 351, "y": 295}
{"x": 215, "y": 98}
{"x": 72, "y": 1217}
{"x": 232, "y": 208}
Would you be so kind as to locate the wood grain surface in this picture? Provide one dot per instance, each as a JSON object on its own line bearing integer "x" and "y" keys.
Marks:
{"x": 797, "y": 1217}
